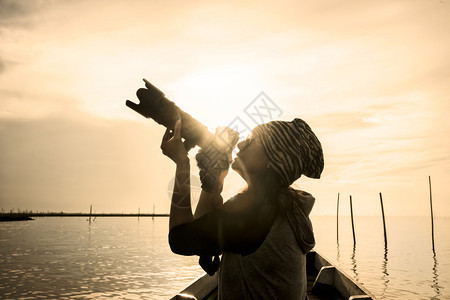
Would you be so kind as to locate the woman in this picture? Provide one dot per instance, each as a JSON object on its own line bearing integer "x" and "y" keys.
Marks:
{"x": 264, "y": 231}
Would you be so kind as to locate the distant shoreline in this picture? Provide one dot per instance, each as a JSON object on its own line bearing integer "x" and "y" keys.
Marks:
{"x": 10, "y": 218}
{"x": 6, "y": 217}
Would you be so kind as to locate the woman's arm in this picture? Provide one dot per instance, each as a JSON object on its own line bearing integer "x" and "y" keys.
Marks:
{"x": 173, "y": 147}
{"x": 180, "y": 209}
{"x": 213, "y": 168}
{"x": 204, "y": 205}
{"x": 220, "y": 230}
{"x": 207, "y": 203}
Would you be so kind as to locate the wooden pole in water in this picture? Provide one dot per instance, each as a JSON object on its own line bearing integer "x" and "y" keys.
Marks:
{"x": 353, "y": 225}
{"x": 337, "y": 220}
{"x": 431, "y": 207}
{"x": 384, "y": 222}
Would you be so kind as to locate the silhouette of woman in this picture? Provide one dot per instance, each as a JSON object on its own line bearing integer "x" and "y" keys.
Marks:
{"x": 263, "y": 232}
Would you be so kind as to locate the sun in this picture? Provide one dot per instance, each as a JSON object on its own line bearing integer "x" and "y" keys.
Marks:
{"x": 217, "y": 96}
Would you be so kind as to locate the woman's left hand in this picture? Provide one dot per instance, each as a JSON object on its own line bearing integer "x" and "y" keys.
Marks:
{"x": 172, "y": 146}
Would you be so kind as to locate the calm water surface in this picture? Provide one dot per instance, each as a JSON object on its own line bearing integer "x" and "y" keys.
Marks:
{"x": 114, "y": 257}
{"x": 406, "y": 269}
{"x": 129, "y": 259}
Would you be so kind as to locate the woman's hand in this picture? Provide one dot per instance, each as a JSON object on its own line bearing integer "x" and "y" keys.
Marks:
{"x": 213, "y": 165}
{"x": 214, "y": 160}
{"x": 172, "y": 146}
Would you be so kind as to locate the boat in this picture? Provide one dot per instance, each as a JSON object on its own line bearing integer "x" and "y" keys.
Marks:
{"x": 325, "y": 281}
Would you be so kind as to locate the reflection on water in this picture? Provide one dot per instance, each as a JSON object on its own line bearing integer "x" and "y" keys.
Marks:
{"x": 435, "y": 284}
{"x": 353, "y": 258}
{"x": 89, "y": 236}
{"x": 384, "y": 271}
{"x": 338, "y": 253}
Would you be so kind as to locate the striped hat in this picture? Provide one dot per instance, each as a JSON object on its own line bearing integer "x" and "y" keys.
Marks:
{"x": 292, "y": 149}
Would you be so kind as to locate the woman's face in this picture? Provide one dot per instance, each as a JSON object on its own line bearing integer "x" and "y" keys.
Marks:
{"x": 251, "y": 158}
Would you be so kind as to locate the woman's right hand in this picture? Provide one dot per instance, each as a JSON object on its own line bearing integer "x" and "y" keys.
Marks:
{"x": 215, "y": 159}
{"x": 172, "y": 146}
{"x": 213, "y": 165}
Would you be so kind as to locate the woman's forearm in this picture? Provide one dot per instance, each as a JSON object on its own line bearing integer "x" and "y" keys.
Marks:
{"x": 207, "y": 202}
{"x": 180, "y": 210}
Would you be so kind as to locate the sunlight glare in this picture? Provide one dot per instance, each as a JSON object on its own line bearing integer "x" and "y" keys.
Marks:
{"x": 216, "y": 96}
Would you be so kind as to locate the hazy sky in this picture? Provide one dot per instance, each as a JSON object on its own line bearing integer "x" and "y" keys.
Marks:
{"x": 370, "y": 77}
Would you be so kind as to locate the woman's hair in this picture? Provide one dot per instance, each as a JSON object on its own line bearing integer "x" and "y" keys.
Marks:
{"x": 292, "y": 149}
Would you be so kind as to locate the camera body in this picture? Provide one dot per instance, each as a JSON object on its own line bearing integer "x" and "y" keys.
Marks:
{"x": 154, "y": 104}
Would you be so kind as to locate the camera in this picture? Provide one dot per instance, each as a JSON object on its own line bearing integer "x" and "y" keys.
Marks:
{"x": 154, "y": 104}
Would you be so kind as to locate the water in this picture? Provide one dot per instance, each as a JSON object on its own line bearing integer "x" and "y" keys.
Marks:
{"x": 52, "y": 258}
{"x": 406, "y": 269}
{"x": 125, "y": 258}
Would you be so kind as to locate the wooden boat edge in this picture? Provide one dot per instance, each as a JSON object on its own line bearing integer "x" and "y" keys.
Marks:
{"x": 332, "y": 276}
{"x": 328, "y": 278}
{"x": 200, "y": 288}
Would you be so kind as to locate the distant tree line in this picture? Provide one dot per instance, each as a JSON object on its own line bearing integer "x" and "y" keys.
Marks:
{"x": 18, "y": 212}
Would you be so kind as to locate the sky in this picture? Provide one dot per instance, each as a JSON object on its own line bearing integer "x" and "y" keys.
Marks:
{"x": 370, "y": 77}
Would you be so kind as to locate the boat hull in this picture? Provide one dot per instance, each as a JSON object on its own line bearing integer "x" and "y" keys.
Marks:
{"x": 325, "y": 281}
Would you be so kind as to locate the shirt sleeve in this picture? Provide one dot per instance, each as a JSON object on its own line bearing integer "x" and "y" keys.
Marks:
{"x": 219, "y": 231}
